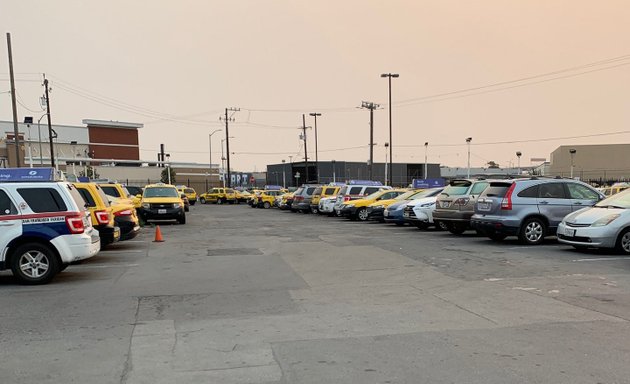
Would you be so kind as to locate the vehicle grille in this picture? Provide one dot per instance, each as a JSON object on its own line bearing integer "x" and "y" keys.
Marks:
{"x": 576, "y": 225}
{"x": 579, "y": 239}
{"x": 410, "y": 212}
{"x": 161, "y": 206}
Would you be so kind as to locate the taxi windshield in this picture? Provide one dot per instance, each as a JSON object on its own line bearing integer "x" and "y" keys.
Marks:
{"x": 620, "y": 200}
{"x": 373, "y": 195}
{"x": 160, "y": 192}
{"x": 407, "y": 195}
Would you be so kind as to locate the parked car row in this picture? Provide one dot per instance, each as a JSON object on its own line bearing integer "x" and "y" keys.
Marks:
{"x": 48, "y": 222}
{"x": 530, "y": 209}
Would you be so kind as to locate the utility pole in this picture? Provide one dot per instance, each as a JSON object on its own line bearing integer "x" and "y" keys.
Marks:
{"x": 50, "y": 130}
{"x": 16, "y": 131}
{"x": 315, "y": 114}
{"x": 371, "y": 106}
{"x": 468, "y": 140}
{"x": 389, "y": 106}
{"x": 227, "y": 141}
{"x": 305, "y": 152}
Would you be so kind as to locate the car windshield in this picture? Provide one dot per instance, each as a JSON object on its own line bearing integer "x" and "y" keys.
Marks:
{"x": 406, "y": 196}
{"x": 620, "y": 200}
{"x": 373, "y": 195}
{"x": 161, "y": 192}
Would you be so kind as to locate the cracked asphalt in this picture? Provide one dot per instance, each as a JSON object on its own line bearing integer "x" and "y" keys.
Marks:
{"x": 242, "y": 295}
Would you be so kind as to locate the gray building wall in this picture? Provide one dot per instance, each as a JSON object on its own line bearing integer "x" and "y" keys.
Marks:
{"x": 605, "y": 162}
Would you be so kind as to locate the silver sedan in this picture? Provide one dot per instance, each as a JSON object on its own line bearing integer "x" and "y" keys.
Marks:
{"x": 604, "y": 225}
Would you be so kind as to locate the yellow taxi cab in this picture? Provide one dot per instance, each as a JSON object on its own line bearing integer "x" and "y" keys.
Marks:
{"x": 286, "y": 200}
{"x": 125, "y": 218}
{"x": 101, "y": 212}
{"x": 241, "y": 196}
{"x": 376, "y": 209}
{"x": 323, "y": 191}
{"x": 218, "y": 196}
{"x": 614, "y": 189}
{"x": 357, "y": 209}
{"x": 116, "y": 190}
{"x": 190, "y": 193}
{"x": 162, "y": 202}
{"x": 253, "y": 195}
{"x": 266, "y": 199}
{"x": 136, "y": 195}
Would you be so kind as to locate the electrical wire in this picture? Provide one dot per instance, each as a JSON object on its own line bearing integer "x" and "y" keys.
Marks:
{"x": 23, "y": 103}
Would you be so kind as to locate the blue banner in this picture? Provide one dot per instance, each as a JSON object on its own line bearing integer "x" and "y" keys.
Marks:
{"x": 27, "y": 174}
{"x": 429, "y": 183}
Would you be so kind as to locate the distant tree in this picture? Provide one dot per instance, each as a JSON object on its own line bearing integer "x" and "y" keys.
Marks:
{"x": 492, "y": 164}
{"x": 164, "y": 175}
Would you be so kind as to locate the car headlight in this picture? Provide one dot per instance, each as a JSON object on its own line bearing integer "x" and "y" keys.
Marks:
{"x": 146, "y": 205}
{"x": 177, "y": 205}
{"x": 427, "y": 205}
{"x": 605, "y": 220}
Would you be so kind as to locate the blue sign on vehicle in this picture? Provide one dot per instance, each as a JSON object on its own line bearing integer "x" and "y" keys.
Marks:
{"x": 27, "y": 174}
{"x": 273, "y": 187}
{"x": 429, "y": 183}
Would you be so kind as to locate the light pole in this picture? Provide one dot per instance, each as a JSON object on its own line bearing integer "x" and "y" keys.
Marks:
{"x": 468, "y": 140}
{"x": 426, "y": 149}
{"x": 210, "y": 148}
{"x": 168, "y": 167}
{"x": 371, "y": 106}
{"x": 518, "y": 156}
{"x": 28, "y": 120}
{"x": 223, "y": 160}
{"x": 315, "y": 114}
{"x": 334, "y": 166}
{"x": 39, "y": 133}
{"x": 386, "y": 145}
{"x": 284, "y": 174}
{"x": 73, "y": 145}
{"x": 389, "y": 106}
{"x": 572, "y": 152}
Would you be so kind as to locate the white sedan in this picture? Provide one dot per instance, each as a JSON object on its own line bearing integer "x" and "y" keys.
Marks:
{"x": 604, "y": 225}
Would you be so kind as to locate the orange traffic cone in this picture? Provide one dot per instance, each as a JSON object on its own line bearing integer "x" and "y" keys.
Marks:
{"x": 158, "y": 235}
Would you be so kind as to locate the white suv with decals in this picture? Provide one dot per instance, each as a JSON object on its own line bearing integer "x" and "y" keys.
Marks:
{"x": 44, "y": 225}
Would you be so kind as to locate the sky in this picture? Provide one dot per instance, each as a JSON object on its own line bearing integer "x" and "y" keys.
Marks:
{"x": 539, "y": 74}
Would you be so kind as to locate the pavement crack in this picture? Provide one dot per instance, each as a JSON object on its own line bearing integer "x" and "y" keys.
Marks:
{"x": 465, "y": 309}
{"x": 128, "y": 366}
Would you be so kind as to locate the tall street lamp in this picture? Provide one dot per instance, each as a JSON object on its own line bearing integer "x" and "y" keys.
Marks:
{"x": 572, "y": 152}
{"x": 386, "y": 146}
{"x": 518, "y": 156}
{"x": 426, "y": 149}
{"x": 391, "y": 156}
{"x": 315, "y": 114}
{"x": 284, "y": 174}
{"x": 210, "y": 148}
{"x": 468, "y": 140}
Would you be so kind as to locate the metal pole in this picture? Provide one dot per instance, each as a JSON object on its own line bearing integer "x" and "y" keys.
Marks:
{"x": 371, "y": 142}
{"x": 16, "y": 131}
{"x": 50, "y": 130}
{"x": 468, "y": 140}
{"x": 426, "y": 148}
{"x": 305, "y": 147}
{"x": 39, "y": 133}
{"x": 386, "y": 145}
{"x": 30, "y": 147}
{"x": 391, "y": 146}
{"x": 227, "y": 146}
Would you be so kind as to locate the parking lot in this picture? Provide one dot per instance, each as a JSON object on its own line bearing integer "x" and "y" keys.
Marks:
{"x": 242, "y": 295}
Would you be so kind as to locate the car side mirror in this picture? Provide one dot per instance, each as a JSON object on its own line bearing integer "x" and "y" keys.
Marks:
{"x": 139, "y": 196}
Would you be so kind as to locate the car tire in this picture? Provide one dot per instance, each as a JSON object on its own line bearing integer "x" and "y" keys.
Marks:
{"x": 623, "y": 242}
{"x": 362, "y": 214}
{"x": 314, "y": 210}
{"x": 202, "y": 200}
{"x": 192, "y": 202}
{"x": 456, "y": 228}
{"x": 422, "y": 225}
{"x": 266, "y": 205}
{"x": 42, "y": 257}
{"x": 186, "y": 208}
{"x": 441, "y": 226}
{"x": 532, "y": 231}
{"x": 182, "y": 220}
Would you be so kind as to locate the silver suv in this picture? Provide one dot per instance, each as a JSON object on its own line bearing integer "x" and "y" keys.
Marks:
{"x": 456, "y": 204}
{"x": 529, "y": 208}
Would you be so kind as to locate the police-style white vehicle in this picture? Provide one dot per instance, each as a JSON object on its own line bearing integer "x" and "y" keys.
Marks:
{"x": 44, "y": 225}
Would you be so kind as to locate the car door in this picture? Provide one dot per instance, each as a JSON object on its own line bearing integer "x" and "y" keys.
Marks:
{"x": 10, "y": 222}
{"x": 554, "y": 202}
{"x": 581, "y": 196}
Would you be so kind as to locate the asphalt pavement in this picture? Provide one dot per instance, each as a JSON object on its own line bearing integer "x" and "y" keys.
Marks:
{"x": 242, "y": 295}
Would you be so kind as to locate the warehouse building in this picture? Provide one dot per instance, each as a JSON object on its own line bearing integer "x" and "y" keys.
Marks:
{"x": 600, "y": 163}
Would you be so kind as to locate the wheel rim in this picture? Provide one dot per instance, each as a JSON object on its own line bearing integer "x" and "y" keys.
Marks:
{"x": 362, "y": 215}
{"x": 34, "y": 264}
{"x": 443, "y": 226}
{"x": 533, "y": 232}
{"x": 625, "y": 242}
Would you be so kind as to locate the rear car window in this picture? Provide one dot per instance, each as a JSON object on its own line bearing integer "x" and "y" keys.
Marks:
{"x": 310, "y": 190}
{"x": 529, "y": 192}
{"x": 355, "y": 190}
{"x": 329, "y": 191}
{"x": 111, "y": 191}
{"x": 478, "y": 188}
{"x": 87, "y": 197}
{"x": 189, "y": 190}
{"x": 43, "y": 199}
{"x": 6, "y": 205}
{"x": 497, "y": 189}
{"x": 551, "y": 191}
{"x": 456, "y": 189}
{"x": 371, "y": 190}
{"x": 134, "y": 190}
{"x": 318, "y": 191}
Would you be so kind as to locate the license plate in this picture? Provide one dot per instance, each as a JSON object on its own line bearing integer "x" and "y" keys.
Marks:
{"x": 484, "y": 206}
{"x": 569, "y": 232}
{"x": 161, "y": 211}
{"x": 445, "y": 204}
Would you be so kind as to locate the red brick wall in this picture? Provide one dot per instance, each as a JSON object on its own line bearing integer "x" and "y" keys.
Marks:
{"x": 114, "y": 136}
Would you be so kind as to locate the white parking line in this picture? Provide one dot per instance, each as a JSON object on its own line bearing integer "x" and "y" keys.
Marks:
{"x": 604, "y": 259}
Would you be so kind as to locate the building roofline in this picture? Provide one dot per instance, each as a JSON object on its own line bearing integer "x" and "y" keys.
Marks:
{"x": 111, "y": 124}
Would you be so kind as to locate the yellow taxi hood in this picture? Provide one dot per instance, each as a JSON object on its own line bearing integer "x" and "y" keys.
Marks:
{"x": 360, "y": 202}
{"x": 162, "y": 200}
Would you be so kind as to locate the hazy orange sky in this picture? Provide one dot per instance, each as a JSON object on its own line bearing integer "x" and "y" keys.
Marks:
{"x": 175, "y": 65}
